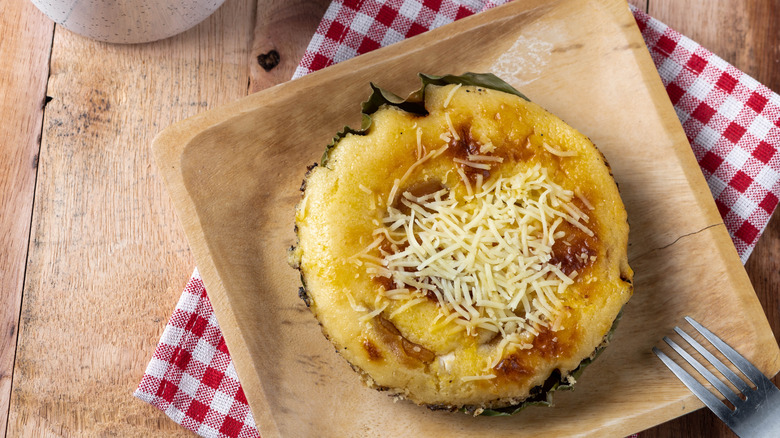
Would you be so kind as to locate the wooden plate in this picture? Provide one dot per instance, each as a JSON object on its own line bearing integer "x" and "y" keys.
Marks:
{"x": 234, "y": 175}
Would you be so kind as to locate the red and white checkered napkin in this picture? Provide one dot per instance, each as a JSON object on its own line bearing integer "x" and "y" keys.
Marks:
{"x": 732, "y": 123}
{"x": 191, "y": 376}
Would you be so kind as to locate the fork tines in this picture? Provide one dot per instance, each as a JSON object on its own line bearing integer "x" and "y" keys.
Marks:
{"x": 756, "y": 412}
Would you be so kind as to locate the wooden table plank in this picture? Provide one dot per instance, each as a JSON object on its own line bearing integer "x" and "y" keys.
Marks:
{"x": 24, "y": 51}
{"x": 107, "y": 259}
{"x": 745, "y": 34}
{"x": 283, "y": 29}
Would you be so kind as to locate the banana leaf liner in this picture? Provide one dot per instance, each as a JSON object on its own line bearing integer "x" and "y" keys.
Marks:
{"x": 415, "y": 102}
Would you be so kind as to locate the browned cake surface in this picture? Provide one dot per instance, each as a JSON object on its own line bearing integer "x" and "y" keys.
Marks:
{"x": 461, "y": 257}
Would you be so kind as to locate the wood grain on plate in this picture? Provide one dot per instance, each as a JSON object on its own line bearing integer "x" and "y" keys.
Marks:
{"x": 234, "y": 174}
{"x": 744, "y": 34}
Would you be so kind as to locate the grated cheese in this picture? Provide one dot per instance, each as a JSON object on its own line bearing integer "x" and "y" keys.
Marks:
{"x": 472, "y": 164}
{"x": 466, "y": 181}
{"x": 472, "y": 378}
{"x": 485, "y": 258}
{"x": 419, "y": 143}
{"x": 559, "y": 152}
{"x": 584, "y": 200}
{"x": 485, "y": 158}
{"x": 373, "y": 314}
{"x": 451, "y": 127}
{"x": 449, "y": 96}
{"x": 487, "y": 148}
{"x": 407, "y": 305}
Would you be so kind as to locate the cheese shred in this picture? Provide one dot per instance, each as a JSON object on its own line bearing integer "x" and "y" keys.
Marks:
{"x": 486, "y": 258}
{"x": 559, "y": 152}
{"x": 473, "y": 378}
{"x": 449, "y": 96}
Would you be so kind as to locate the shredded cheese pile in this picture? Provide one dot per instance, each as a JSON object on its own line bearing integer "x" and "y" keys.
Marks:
{"x": 485, "y": 258}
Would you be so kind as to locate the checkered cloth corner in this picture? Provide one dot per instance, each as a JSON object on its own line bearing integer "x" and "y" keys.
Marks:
{"x": 732, "y": 123}
{"x": 354, "y": 27}
{"x": 191, "y": 376}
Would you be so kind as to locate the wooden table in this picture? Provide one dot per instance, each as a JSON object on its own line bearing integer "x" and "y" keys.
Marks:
{"x": 92, "y": 257}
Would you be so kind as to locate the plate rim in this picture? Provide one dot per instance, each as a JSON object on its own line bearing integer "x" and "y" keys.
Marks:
{"x": 170, "y": 144}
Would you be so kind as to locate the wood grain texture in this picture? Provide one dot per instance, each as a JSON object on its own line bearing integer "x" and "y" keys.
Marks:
{"x": 24, "y": 51}
{"x": 283, "y": 29}
{"x": 641, "y": 4}
{"x": 279, "y": 129}
{"x": 745, "y": 34}
{"x": 107, "y": 259}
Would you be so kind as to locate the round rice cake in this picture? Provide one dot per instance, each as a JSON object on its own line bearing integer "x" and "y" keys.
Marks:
{"x": 472, "y": 257}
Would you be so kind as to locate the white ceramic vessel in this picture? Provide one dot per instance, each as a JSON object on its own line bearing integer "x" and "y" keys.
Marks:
{"x": 128, "y": 21}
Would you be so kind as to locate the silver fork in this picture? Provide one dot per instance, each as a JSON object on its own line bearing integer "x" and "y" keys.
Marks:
{"x": 757, "y": 410}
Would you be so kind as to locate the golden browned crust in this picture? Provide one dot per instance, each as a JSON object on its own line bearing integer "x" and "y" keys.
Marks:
{"x": 397, "y": 351}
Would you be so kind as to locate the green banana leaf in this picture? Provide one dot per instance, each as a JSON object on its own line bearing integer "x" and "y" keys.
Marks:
{"x": 415, "y": 103}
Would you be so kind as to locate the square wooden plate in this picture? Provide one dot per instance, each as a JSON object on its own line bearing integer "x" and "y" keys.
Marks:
{"x": 234, "y": 175}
